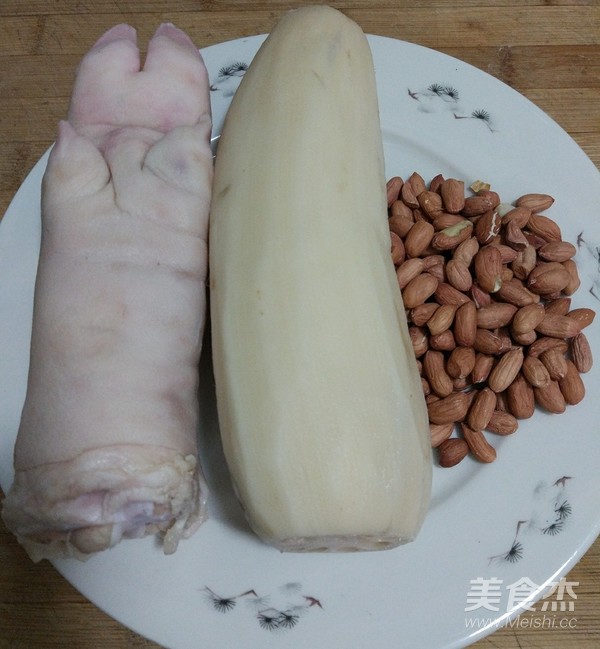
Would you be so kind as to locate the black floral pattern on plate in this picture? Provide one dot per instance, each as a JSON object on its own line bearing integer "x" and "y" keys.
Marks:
{"x": 278, "y": 611}
{"x": 588, "y": 259}
{"x": 549, "y": 515}
{"x": 440, "y": 97}
{"x": 228, "y": 78}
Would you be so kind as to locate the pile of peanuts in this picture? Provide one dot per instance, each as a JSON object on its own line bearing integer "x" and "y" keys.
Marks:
{"x": 486, "y": 288}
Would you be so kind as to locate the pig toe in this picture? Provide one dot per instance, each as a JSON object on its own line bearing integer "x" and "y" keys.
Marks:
{"x": 115, "y": 52}
{"x": 111, "y": 92}
{"x": 76, "y": 169}
{"x": 117, "y": 33}
{"x": 175, "y": 34}
{"x": 170, "y": 49}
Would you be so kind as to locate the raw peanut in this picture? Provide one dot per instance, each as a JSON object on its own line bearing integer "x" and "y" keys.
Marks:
{"x": 466, "y": 250}
{"x": 431, "y": 261}
{"x": 479, "y": 296}
{"x": 418, "y": 238}
{"x": 470, "y": 396}
{"x": 419, "y": 215}
{"x": 435, "y": 372}
{"x": 453, "y": 195}
{"x": 547, "y": 342}
{"x": 525, "y": 262}
{"x": 550, "y": 398}
{"x": 482, "y": 368}
{"x": 460, "y": 362}
{"x": 430, "y": 203}
{"x": 574, "y": 282}
{"x": 487, "y": 227}
{"x": 552, "y": 296}
{"x": 398, "y": 252}
{"x": 520, "y": 398}
{"x": 399, "y": 208}
{"x": 439, "y": 433}
{"x": 450, "y": 237}
{"x": 507, "y": 254}
{"x": 410, "y": 269}
{"x": 514, "y": 236}
{"x": 524, "y": 339}
{"x": 560, "y": 306}
{"x": 400, "y": 225}
{"x": 520, "y": 215}
{"x": 393, "y": 187}
{"x": 419, "y": 289}
{"x": 476, "y": 205}
{"x": 496, "y": 314}
{"x": 583, "y": 317}
{"x": 492, "y": 196}
{"x": 507, "y": 342}
{"x": 488, "y": 269}
{"x": 548, "y": 277}
{"x": 555, "y": 362}
{"x": 506, "y": 370}
{"x": 462, "y": 382}
{"x": 435, "y": 267}
{"x": 419, "y": 340}
{"x": 452, "y": 451}
{"x": 571, "y": 385}
{"x": 535, "y": 202}
{"x": 527, "y": 318}
{"x": 502, "y": 423}
{"x": 515, "y": 293}
{"x": 558, "y": 326}
{"x": 480, "y": 448}
{"x": 408, "y": 195}
{"x": 487, "y": 342}
{"x": 417, "y": 183}
{"x": 452, "y": 408}
{"x": 447, "y": 294}
{"x": 426, "y": 387}
{"x": 441, "y": 319}
{"x": 465, "y": 324}
{"x": 436, "y": 183}
{"x": 544, "y": 227}
{"x": 502, "y": 402}
{"x": 535, "y": 371}
{"x": 534, "y": 240}
{"x": 581, "y": 353}
{"x": 459, "y": 275}
{"x": 557, "y": 251}
{"x": 445, "y": 220}
{"x": 484, "y": 404}
{"x": 421, "y": 313}
{"x": 482, "y": 281}
{"x": 443, "y": 341}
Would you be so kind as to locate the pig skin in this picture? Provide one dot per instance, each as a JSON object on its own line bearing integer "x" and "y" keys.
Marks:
{"x": 107, "y": 445}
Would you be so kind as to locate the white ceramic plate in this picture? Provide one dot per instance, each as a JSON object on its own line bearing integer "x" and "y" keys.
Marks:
{"x": 496, "y": 536}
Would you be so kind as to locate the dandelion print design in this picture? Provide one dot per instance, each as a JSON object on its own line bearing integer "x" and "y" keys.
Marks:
{"x": 293, "y": 605}
{"x": 549, "y": 516}
{"x": 443, "y": 97}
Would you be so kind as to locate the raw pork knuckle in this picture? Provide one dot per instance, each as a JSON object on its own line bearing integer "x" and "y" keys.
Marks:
{"x": 107, "y": 446}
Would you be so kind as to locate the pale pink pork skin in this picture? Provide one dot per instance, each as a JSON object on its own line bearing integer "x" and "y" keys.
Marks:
{"x": 107, "y": 446}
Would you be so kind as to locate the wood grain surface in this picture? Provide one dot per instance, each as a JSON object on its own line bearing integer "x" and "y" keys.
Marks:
{"x": 549, "y": 50}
